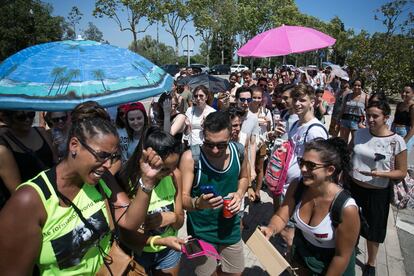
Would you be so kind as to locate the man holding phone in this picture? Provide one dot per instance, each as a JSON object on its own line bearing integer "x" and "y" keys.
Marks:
{"x": 221, "y": 174}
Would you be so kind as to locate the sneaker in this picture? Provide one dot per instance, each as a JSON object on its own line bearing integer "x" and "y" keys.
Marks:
{"x": 368, "y": 270}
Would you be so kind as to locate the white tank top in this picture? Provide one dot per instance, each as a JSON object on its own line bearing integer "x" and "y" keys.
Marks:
{"x": 322, "y": 235}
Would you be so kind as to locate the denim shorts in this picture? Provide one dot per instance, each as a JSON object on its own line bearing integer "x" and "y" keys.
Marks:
{"x": 163, "y": 260}
{"x": 352, "y": 125}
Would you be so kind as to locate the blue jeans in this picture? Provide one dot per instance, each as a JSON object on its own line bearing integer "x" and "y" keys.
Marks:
{"x": 163, "y": 260}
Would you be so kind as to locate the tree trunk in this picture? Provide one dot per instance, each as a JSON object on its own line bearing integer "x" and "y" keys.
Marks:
{"x": 177, "y": 49}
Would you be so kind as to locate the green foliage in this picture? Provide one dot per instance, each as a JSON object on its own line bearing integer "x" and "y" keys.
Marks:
{"x": 135, "y": 11}
{"x": 93, "y": 33}
{"x": 74, "y": 16}
{"x": 385, "y": 59}
{"x": 25, "y": 23}
{"x": 174, "y": 14}
{"x": 158, "y": 53}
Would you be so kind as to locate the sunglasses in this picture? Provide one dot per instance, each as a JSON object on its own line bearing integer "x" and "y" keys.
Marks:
{"x": 58, "y": 119}
{"x": 245, "y": 100}
{"x": 101, "y": 156}
{"x": 24, "y": 115}
{"x": 211, "y": 145}
{"x": 310, "y": 166}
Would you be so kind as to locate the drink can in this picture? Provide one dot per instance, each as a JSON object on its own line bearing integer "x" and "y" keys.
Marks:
{"x": 226, "y": 211}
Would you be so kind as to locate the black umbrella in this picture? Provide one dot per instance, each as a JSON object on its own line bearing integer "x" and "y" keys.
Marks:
{"x": 214, "y": 84}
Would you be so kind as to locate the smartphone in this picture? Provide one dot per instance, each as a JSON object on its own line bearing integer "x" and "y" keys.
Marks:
{"x": 209, "y": 189}
{"x": 192, "y": 247}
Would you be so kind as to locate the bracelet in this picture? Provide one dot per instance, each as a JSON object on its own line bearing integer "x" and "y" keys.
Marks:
{"x": 144, "y": 188}
{"x": 197, "y": 203}
{"x": 152, "y": 240}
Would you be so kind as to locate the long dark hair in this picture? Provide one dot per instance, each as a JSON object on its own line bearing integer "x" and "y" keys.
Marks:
{"x": 333, "y": 152}
{"x": 160, "y": 141}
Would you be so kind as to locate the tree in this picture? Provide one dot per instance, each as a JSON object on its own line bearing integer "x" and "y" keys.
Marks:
{"x": 385, "y": 59}
{"x": 215, "y": 18}
{"x": 135, "y": 10}
{"x": 174, "y": 14}
{"x": 93, "y": 33}
{"x": 75, "y": 15}
{"x": 25, "y": 23}
{"x": 158, "y": 53}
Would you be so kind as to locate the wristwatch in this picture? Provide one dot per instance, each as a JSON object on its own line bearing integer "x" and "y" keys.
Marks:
{"x": 144, "y": 188}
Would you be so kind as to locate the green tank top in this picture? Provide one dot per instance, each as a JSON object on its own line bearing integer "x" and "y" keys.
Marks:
{"x": 68, "y": 246}
{"x": 162, "y": 200}
{"x": 209, "y": 224}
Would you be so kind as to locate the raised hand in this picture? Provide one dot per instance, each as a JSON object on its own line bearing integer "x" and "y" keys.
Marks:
{"x": 150, "y": 166}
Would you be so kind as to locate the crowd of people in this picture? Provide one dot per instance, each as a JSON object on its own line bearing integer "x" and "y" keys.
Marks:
{"x": 199, "y": 156}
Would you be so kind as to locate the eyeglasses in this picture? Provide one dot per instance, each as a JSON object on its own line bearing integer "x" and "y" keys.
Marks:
{"x": 24, "y": 115}
{"x": 101, "y": 156}
{"x": 201, "y": 96}
{"x": 211, "y": 145}
{"x": 311, "y": 166}
{"x": 245, "y": 100}
{"x": 57, "y": 119}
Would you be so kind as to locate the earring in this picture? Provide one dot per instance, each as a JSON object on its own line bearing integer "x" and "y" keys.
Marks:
{"x": 73, "y": 154}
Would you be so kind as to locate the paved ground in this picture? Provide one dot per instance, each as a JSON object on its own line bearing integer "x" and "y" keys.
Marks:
{"x": 390, "y": 259}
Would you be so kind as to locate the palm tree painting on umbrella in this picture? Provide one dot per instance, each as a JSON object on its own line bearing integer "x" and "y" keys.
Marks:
{"x": 100, "y": 75}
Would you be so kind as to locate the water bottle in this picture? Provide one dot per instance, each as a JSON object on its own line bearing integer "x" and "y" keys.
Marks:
{"x": 276, "y": 117}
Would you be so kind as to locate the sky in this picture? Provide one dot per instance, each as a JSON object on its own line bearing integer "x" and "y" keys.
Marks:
{"x": 356, "y": 14}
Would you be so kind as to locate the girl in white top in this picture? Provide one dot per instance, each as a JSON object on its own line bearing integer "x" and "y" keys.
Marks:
{"x": 379, "y": 156}
{"x": 196, "y": 115}
{"x": 332, "y": 254}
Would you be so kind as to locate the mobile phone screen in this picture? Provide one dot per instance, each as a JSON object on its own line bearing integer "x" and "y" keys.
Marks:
{"x": 208, "y": 190}
{"x": 192, "y": 247}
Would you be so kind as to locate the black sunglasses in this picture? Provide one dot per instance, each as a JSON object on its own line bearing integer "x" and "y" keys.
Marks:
{"x": 101, "y": 156}
{"x": 211, "y": 145}
{"x": 311, "y": 166}
{"x": 24, "y": 115}
{"x": 245, "y": 100}
{"x": 57, "y": 119}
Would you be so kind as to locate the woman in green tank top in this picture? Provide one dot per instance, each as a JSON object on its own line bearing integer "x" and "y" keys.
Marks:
{"x": 40, "y": 225}
{"x": 162, "y": 248}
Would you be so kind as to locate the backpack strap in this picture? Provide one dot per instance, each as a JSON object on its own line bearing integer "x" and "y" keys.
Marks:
{"x": 196, "y": 152}
{"x": 300, "y": 188}
{"x": 312, "y": 125}
{"x": 337, "y": 205}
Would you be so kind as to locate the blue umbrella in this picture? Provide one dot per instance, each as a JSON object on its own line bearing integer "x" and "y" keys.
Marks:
{"x": 59, "y": 75}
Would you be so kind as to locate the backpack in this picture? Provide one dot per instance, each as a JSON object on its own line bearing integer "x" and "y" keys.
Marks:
{"x": 335, "y": 210}
{"x": 279, "y": 161}
{"x": 277, "y": 168}
{"x": 196, "y": 152}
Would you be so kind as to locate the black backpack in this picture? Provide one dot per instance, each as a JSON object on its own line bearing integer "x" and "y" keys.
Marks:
{"x": 196, "y": 152}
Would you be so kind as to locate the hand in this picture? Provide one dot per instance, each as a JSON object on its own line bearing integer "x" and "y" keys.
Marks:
{"x": 150, "y": 165}
{"x": 279, "y": 130}
{"x": 267, "y": 232}
{"x": 158, "y": 220}
{"x": 251, "y": 194}
{"x": 171, "y": 242}
{"x": 167, "y": 106}
{"x": 208, "y": 201}
{"x": 361, "y": 125}
{"x": 235, "y": 203}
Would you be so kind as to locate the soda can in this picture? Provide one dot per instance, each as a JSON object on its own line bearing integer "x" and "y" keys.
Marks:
{"x": 226, "y": 211}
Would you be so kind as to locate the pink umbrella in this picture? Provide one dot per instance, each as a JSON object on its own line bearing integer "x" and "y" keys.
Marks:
{"x": 285, "y": 40}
